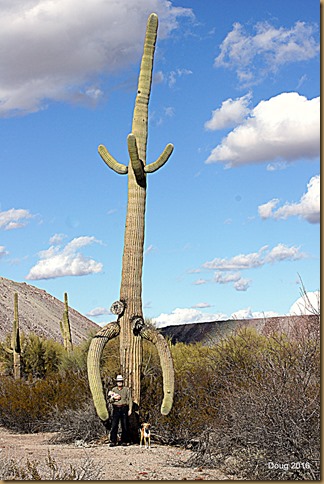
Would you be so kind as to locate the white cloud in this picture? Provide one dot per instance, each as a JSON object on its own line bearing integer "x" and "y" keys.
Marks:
{"x": 247, "y": 313}
{"x": 285, "y": 127}
{"x": 255, "y": 259}
{"x": 185, "y": 316}
{"x": 55, "y": 50}
{"x": 201, "y": 305}
{"x": 253, "y": 57}
{"x": 191, "y": 315}
{"x": 174, "y": 75}
{"x": 3, "y": 251}
{"x": 308, "y": 303}
{"x": 150, "y": 249}
{"x": 307, "y": 208}
{"x": 14, "y": 218}
{"x": 231, "y": 113}
{"x": 98, "y": 312}
{"x": 56, "y": 239}
{"x": 67, "y": 261}
{"x": 225, "y": 278}
{"x": 199, "y": 282}
{"x": 169, "y": 112}
{"x": 240, "y": 284}
{"x": 281, "y": 253}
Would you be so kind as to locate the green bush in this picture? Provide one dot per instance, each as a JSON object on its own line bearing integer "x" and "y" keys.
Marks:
{"x": 268, "y": 409}
{"x": 28, "y": 406}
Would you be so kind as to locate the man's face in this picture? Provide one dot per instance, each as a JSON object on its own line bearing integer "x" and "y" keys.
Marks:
{"x": 120, "y": 384}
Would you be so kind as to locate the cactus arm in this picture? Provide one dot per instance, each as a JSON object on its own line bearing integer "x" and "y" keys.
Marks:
{"x": 137, "y": 164}
{"x": 111, "y": 162}
{"x": 163, "y": 158}
{"x": 150, "y": 333}
{"x": 98, "y": 342}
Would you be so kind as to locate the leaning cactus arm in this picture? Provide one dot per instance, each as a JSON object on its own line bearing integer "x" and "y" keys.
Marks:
{"x": 111, "y": 162}
{"x": 110, "y": 331}
{"x": 163, "y": 349}
{"x": 163, "y": 158}
{"x": 137, "y": 164}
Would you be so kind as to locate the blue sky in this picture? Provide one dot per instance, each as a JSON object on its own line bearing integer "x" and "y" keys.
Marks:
{"x": 232, "y": 219}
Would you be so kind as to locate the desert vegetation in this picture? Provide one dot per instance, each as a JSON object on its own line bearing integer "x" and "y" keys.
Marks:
{"x": 249, "y": 405}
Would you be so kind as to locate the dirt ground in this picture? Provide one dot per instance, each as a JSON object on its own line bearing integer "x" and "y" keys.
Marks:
{"x": 115, "y": 463}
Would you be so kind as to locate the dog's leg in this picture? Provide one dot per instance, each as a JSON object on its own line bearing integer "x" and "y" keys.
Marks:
{"x": 149, "y": 441}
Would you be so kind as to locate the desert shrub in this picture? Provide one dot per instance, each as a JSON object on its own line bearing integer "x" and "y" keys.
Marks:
{"x": 268, "y": 424}
{"x": 27, "y": 406}
{"x": 193, "y": 387}
{"x": 11, "y": 469}
{"x": 76, "y": 424}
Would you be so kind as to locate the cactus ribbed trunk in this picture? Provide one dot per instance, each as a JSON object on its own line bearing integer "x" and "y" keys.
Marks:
{"x": 131, "y": 283}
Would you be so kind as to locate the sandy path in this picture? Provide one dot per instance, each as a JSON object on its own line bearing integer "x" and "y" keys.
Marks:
{"x": 117, "y": 463}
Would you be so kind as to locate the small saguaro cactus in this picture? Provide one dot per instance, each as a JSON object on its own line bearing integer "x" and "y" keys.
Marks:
{"x": 130, "y": 324}
{"x": 15, "y": 341}
{"x": 65, "y": 326}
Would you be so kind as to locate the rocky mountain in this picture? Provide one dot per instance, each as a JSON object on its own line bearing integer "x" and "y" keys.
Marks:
{"x": 39, "y": 312}
{"x": 212, "y": 332}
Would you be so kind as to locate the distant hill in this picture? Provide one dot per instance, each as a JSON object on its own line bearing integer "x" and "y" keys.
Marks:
{"x": 212, "y": 332}
{"x": 39, "y": 312}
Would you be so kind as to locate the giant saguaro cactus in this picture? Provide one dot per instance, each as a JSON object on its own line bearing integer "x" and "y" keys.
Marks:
{"x": 130, "y": 324}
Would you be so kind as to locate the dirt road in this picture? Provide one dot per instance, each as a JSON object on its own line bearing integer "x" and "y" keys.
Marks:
{"x": 112, "y": 463}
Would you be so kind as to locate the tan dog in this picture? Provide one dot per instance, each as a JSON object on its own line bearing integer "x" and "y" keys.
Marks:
{"x": 145, "y": 435}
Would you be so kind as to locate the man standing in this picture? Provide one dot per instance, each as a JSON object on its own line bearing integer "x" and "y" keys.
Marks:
{"x": 121, "y": 400}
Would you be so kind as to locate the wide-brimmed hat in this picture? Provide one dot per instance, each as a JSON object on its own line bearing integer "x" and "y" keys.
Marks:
{"x": 119, "y": 378}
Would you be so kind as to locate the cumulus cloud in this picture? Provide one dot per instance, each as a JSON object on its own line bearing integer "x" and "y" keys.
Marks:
{"x": 308, "y": 303}
{"x": 308, "y": 208}
{"x": 56, "y": 239}
{"x": 60, "y": 261}
{"x": 254, "y": 260}
{"x": 100, "y": 311}
{"x": 247, "y": 313}
{"x": 55, "y": 50}
{"x": 239, "y": 283}
{"x": 192, "y": 315}
{"x": 185, "y": 316}
{"x": 14, "y": 218}
{"x": 283, "y": 128}
{"x": 231, "y": 113}
{"x": 254, "y": 56}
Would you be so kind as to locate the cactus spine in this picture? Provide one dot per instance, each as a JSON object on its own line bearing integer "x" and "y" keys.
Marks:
{"x": 130, "y": 321}
{"x": 65, "y": 326}
{"x": 15, "y": 341}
